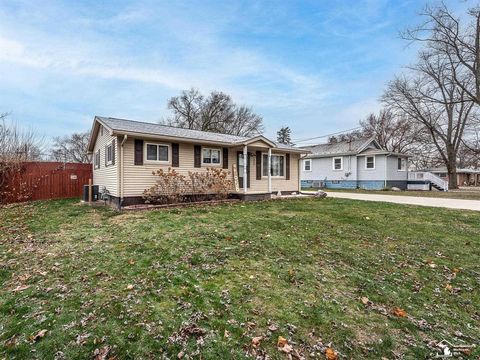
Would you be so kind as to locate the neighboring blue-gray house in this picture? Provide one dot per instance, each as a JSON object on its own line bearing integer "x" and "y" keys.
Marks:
{"x": 353, "y": 164}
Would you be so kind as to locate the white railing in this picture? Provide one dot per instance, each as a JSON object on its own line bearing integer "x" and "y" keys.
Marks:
{"x": 428, "y": 176}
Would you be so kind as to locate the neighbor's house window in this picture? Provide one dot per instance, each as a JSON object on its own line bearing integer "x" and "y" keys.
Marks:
{"x": 402, "y": 164}
{"x": 370, "y": 162}
{"x": 337, "y": 163}
{"x": 109, "y": 154}
{"x": 278, "y": 165}
{"x": 211, "y": 156}
{"x": 307, "y": 165}
{"x": 157, "y": 152}
{"x": 97, "y": 159}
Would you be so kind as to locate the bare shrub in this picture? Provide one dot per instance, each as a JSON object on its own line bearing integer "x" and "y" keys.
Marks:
{"x": 215, "y": 183}
{"x": 172, "y": 187}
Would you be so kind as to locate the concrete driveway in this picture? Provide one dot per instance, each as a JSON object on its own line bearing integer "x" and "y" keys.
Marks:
{"x": 411, "y": 200}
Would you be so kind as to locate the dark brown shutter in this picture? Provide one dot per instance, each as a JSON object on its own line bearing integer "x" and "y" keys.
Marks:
{"x": 287, "y": 166}
{"x": 225, "y": 158}
{"x": 106, "y": 147}
{"x": 259, "y": 165}
{"x": 113, "y": 152}
{"x": 197, "y": 156}
{"x": 138, "y": 152}
{"x": 175, "y": 155}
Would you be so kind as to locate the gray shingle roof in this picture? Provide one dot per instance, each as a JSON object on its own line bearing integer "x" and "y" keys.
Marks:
{"x": 341, "y": 147}
{"x": 140, "y": 127}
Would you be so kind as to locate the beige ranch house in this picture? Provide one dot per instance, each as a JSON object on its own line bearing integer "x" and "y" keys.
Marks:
{"x": 125, "y": 152}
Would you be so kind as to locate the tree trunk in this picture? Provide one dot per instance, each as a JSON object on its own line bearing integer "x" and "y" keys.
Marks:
{"x": 452, "y": 169}
{"x": 452, "y": 180}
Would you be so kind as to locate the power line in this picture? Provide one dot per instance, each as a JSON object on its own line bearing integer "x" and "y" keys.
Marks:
{"x": 323, "y": 136}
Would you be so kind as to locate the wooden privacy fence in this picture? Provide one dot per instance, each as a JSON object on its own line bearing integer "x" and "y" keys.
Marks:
{"x": 45, "y": 180}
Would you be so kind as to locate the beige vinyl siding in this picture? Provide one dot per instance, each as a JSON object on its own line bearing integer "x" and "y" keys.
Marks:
{"x": 258, "y": 143}
{"x": 137, "y": 178}
{"x": 106, "y": 176}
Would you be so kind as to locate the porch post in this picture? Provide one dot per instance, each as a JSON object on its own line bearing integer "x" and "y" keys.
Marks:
{"x": 245, "y": 164}
{"x": 269, "y": 170}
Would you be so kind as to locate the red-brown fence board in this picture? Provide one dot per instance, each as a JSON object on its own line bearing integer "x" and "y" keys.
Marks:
{"x": 51, "y": 180}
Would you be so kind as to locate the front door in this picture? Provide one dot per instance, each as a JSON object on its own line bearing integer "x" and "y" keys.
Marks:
{"x": 240, "y": 166}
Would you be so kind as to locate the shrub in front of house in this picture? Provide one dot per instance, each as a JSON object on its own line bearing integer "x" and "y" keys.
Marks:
{"x": 172, "y": 187}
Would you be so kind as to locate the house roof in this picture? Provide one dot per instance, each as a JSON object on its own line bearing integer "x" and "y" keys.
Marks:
{"x": 146, "y": 129}
{"x": 356, "y": 147}
{"x": 340, "y": 148}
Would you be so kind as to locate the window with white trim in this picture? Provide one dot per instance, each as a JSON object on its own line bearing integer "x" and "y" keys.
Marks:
{"x": 109, "y": 154}
{"x": 96, "y": 160}
{"x": 370, "y": 162}
{"x": 401, "y": 164}
{"x": 337, "y": 163}
{"x": 307, "y": 165}
{"x": 210, "y": 156}
{"x": 277, "y": 167}
{"x": 157, "y": 152}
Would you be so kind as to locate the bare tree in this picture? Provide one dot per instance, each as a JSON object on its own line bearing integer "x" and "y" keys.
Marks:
{"x": 215, "y": 113}
{"x": 457, "y": 41}
{"x": 392, "y": 130}
{"x": 430, "y": 97}
{"x": 72, "y": 148}
{"x": 16, "y": 146}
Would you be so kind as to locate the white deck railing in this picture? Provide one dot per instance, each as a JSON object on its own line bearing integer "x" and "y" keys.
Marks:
{"x": 428, "y": 176}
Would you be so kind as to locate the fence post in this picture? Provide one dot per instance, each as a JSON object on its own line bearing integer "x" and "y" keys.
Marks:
{"x": 89, "y": 191}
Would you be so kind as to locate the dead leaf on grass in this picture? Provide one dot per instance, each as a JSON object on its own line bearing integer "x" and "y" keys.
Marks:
{"x": 399, "y": 312}
{"x": 331, "y": 354}
{"x": 11, "y": 342}
{"x": 129, "y": 287}
{"x": 20, "y": 288}
{"x": 101, "y": 354}
{"x": 281, "y": 341}
{"x": 273, "y": 328}
{"x": 226, "y": 334}
{"x": 256, "y": 341}
{"x": 287, "y": 348}
{"x": 366, "y": 301}
{"x": 38, "y": 335}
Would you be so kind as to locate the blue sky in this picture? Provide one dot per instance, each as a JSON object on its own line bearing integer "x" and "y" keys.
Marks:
{"x": 316, "y": 66}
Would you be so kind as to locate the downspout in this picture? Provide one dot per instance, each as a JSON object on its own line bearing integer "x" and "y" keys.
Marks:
{"x": 121, "y": 170}
{"x": 386, "y": 166}
{"x": 245, "y": 164}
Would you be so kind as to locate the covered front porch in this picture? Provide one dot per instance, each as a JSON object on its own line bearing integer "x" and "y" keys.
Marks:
{"x": 260, "y": 168}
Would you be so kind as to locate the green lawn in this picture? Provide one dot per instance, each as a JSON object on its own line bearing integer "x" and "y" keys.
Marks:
{"x": 453, "y": 194}
{"x": 206, "y": 281}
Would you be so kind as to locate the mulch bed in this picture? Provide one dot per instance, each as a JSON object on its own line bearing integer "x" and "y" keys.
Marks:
{"x": 176, "y": 205}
